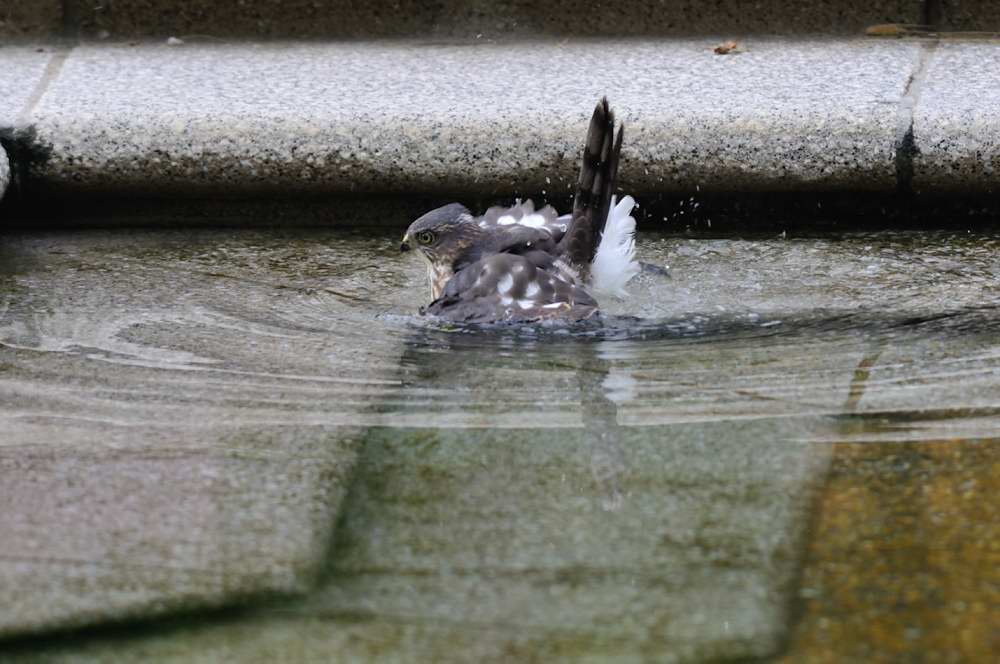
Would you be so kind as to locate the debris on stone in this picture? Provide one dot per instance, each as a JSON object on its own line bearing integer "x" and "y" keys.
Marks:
{"x": 895, "y": 29}
{"x": 725, "y": 48}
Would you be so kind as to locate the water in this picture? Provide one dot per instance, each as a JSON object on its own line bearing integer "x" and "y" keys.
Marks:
{"x": 785, "y": 448}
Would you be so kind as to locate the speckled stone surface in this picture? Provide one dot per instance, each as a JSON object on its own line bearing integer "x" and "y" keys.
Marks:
{"x": 957, "y": 120}
{"x": 484, "y": 18}
{"x": 781, "y": 115}
{"x": 21, "y": 69}
{"x": 30, "y": 18}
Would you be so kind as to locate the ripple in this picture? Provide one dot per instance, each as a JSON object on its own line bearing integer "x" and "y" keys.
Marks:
{"x": 734, "y": 329}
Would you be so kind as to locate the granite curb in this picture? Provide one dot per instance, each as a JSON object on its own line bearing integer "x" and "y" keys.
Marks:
{"x": 803, "y": 115}
{"x": 395, "y": 117}
{"x": 956, "y": 123}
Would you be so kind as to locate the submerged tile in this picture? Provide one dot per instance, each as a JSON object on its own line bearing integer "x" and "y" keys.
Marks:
{"x": 915, "y": 522}
{"x": 106, "y": 520}
{"x": 160, "y": 451}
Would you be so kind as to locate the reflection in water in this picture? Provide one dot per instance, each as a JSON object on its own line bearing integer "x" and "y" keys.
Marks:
{"x": 860, "y": 380}
{"x": 638, "y": 490}
{"x": 599, "y": 393}
{"x": 566, "y": 531}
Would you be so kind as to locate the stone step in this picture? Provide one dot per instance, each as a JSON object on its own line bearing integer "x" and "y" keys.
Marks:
{"x": 486, "y": 18}
{"x": 405, "y": 117}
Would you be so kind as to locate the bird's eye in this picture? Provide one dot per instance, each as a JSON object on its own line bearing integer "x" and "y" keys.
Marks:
{"x": 425, "y": 237}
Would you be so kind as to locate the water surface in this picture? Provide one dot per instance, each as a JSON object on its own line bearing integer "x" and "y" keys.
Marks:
{"x": 785, "y": 448}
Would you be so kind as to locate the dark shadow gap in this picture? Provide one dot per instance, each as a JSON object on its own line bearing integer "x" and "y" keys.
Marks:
{"x": 692, "y": 213}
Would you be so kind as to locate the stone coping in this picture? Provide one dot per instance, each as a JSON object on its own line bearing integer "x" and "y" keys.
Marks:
{"x": 497, "y": 120}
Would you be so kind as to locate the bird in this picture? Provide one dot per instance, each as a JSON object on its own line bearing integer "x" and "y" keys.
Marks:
{"x": 521, "y": 265}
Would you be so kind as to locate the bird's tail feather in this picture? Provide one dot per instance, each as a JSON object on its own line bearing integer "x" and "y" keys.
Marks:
{"x": 614, "y": 263}
{"x": 598, "y": 178}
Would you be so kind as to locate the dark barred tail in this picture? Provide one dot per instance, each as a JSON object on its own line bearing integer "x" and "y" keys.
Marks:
{"x": 598, "y": 178}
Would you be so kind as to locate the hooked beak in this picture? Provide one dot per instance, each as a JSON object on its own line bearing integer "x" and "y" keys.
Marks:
{"x": 405, "y": 245}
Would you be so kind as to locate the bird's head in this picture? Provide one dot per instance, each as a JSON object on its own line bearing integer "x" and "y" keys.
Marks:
{"x": 442, "y": 236}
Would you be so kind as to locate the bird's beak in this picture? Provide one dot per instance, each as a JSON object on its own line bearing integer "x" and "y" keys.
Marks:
{"x": 405, "y": 244}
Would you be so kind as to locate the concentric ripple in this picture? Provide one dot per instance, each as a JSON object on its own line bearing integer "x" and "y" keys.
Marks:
{"x": 183, "y": 411}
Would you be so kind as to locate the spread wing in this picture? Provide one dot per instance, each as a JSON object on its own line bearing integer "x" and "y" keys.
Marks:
{"x": 518, "y": 229}
{"x": 524, "y": 215}
{"x": 573, "y": 239}
{"x": 512, "y": 288}
{"x": 528, "y": 265}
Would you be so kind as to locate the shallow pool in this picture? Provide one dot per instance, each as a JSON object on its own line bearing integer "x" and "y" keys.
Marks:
{"x": 784, "y": 447}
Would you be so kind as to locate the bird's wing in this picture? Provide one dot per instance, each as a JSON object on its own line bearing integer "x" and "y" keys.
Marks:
{"x": 512, "y": 228}
{"x": 512, "y": 288}
{"x": 518, "y": 229}
{"x": 523, "y": 214}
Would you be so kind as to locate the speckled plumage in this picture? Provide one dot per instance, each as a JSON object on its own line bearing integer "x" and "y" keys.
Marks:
{"x": 517, "y": 263}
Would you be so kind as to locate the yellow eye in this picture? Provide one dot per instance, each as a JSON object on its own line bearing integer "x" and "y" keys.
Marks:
{"x": 425, "y": 237}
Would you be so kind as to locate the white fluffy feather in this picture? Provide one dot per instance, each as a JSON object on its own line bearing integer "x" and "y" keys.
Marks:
{"x": 614, "y": 264}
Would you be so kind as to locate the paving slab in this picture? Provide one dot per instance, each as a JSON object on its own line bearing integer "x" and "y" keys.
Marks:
{"x": 880, "y": 492}
{"x": 471, "y": 18}
{"x": 490, "y": 545}
{"x": 956, "y": 123}
{"x": 612, "y": 521}
{"x": 107, "y": 520}
{"x": 781, "y": 115}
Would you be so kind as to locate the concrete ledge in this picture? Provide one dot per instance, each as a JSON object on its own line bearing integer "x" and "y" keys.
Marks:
{"x": 957, "y": 120}
{"x": 22, "y": 71}
{"x": 381, "y": 117}
{"x": 780, "y": 115}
